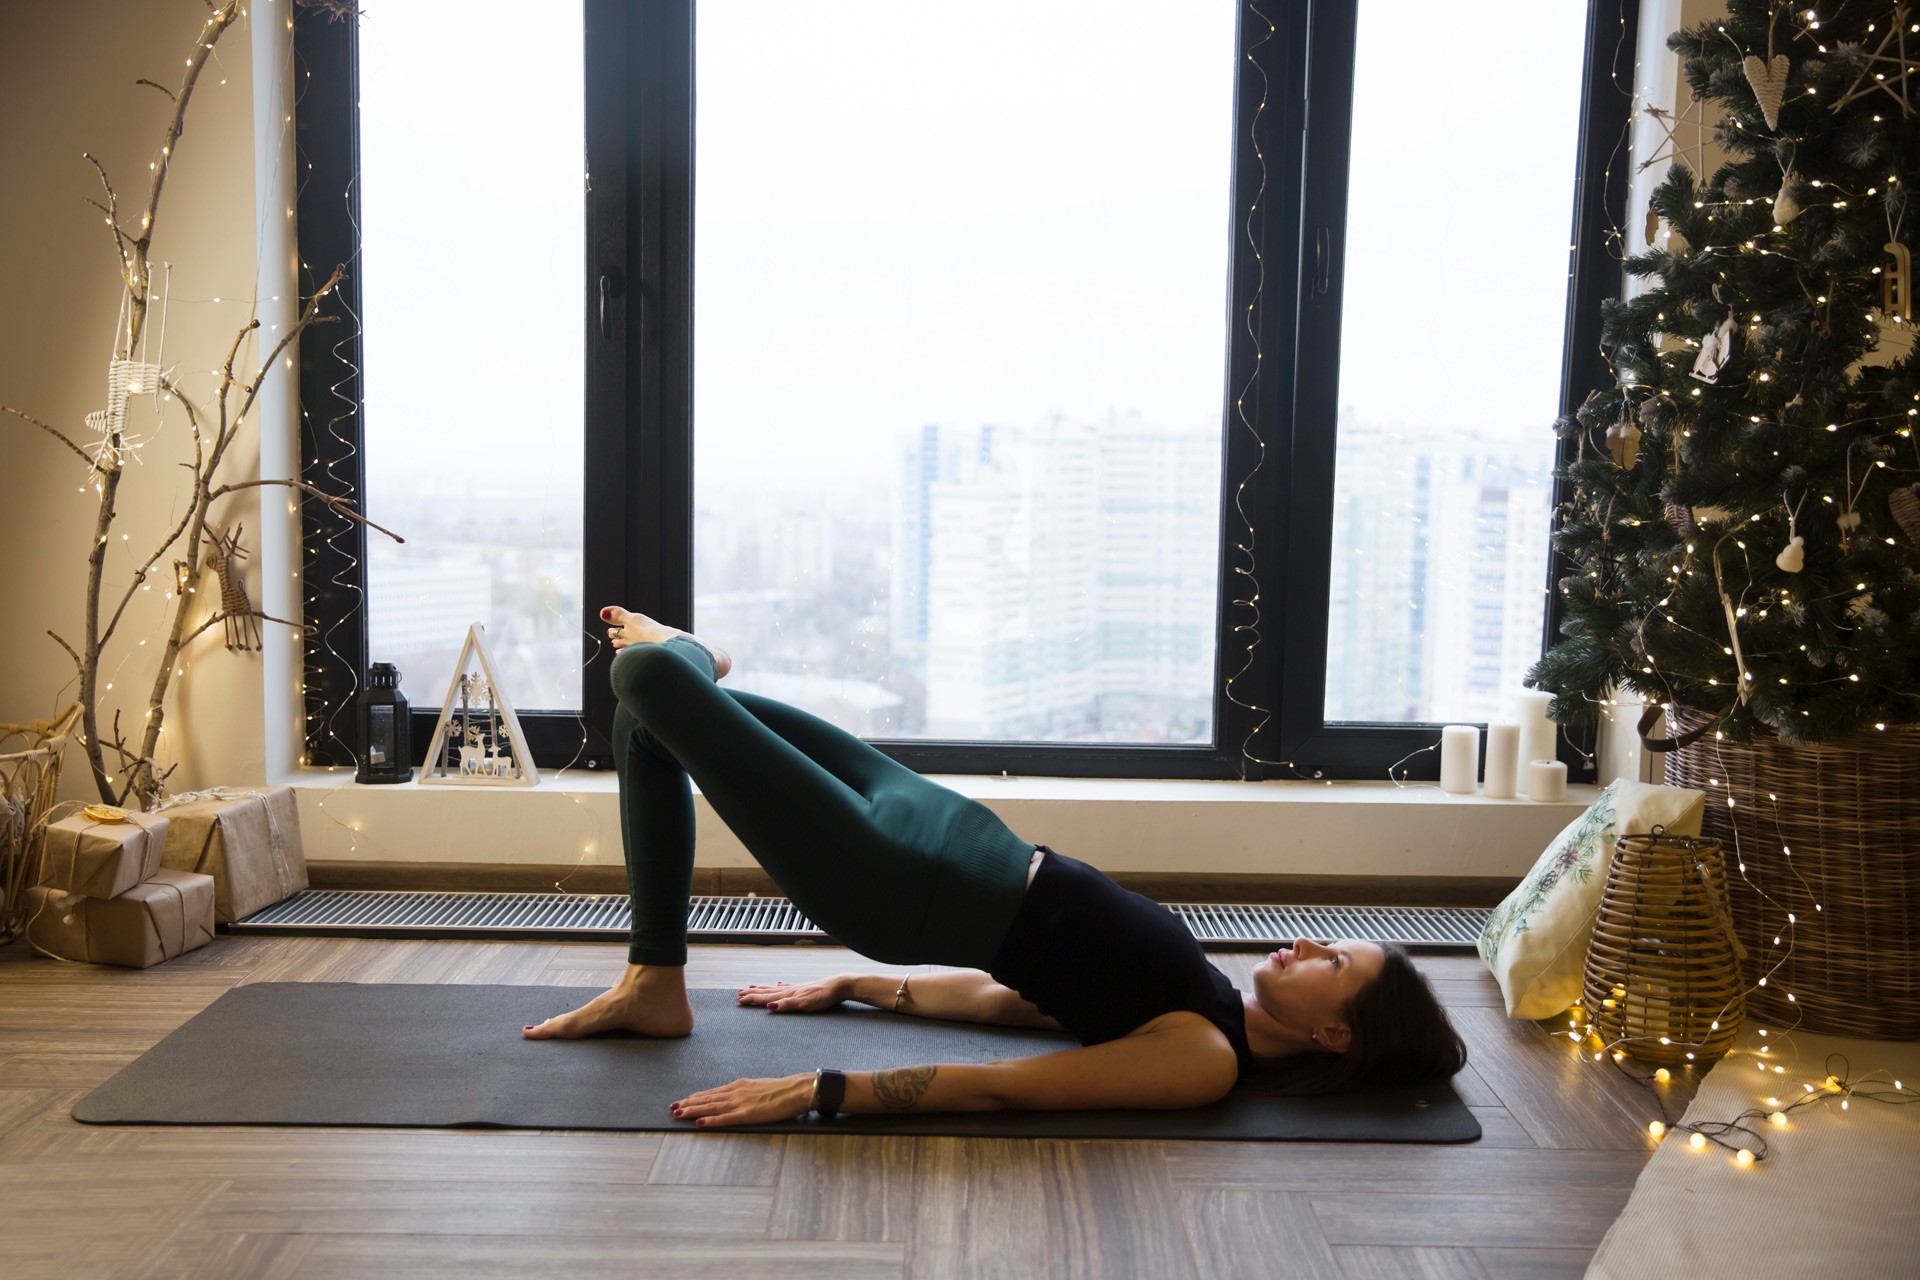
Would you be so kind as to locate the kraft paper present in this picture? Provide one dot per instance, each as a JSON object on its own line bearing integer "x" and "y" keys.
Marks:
{"x": 155, "y": 920}
{"x": 101, "y": 859}
{"x": 247, "y": 839}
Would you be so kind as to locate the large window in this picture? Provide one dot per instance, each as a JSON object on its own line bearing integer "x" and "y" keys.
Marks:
{"x": 1443, "y": 481}
{"x": 473, "y": 214}
{"x": 988, "y": 379}
{"x": 959, "y": 362}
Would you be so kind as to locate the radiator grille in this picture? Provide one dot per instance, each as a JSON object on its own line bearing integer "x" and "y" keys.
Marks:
{"x": 368, "y": 913}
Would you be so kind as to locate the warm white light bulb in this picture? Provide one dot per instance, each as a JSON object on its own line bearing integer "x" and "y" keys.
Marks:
{"x": 1698, "y": 1142}
{"x": 1656, "y": 1128}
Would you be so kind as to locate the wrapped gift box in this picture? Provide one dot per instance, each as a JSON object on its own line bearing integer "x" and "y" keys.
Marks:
{"x": 151, "y": 922}
{"x": 248, "y": 840}
{"x": 101, "y": 859}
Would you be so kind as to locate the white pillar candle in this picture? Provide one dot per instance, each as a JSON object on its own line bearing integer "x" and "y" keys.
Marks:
{"x": 1459, "y": 758}
{"x": 1547, "y": 781}
{"x": 1503, "y": 760}
{"x": 1539, "y": 736}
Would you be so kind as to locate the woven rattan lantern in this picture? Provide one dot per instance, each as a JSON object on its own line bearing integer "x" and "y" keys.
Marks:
{"x": 1663, "y": 974}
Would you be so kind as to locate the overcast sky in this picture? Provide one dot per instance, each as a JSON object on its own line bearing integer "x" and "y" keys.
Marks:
{"x": 920, "y": 212}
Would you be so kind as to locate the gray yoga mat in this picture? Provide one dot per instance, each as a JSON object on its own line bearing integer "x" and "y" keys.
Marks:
{"x": 433, "y": 1055}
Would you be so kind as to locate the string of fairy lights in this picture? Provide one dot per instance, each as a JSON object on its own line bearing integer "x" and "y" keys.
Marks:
{"x": 1745, "y": 1135}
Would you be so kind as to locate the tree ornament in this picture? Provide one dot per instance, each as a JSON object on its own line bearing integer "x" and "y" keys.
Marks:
{"x": 1871, "y": 81}
{"x": 1905, "y": 506}
{"x": 1793, "y": 557}
{"x": 1848, "y": 522}
{"x": 1692, "y": 153}
{"x": 1785, "y": 207}
{"x": 1715, "y": 350}
{"x": 1680, "y": 519}
{"x": 1896, "y": 284}
{"x": 236, "y": 607}
{"x": 1711, "y": 515}
{"x": 1623, "y": 441}
{"x": 1769, "y": 81}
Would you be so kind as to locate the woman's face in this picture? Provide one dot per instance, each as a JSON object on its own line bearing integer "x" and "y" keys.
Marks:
{"x": 1306, "y": 985}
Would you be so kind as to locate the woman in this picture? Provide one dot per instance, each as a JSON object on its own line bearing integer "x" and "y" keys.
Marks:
{"x": 909, "y": 872}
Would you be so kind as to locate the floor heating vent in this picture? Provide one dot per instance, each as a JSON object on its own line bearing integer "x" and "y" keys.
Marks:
{"x": 368, "y": 913}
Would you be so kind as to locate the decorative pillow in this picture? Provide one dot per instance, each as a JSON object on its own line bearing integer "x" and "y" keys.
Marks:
{"x": 1536, "y": 941}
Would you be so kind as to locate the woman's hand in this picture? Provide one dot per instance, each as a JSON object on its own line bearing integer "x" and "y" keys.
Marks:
{"x": 797, "y": 997}
{"x": 747, "y": 1102}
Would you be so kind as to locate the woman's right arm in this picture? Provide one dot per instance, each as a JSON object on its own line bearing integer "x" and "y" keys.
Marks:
{"x": 957, "y": 995}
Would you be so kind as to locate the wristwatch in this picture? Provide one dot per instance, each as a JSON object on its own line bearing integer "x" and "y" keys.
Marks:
{"x": 829, "y": 1091}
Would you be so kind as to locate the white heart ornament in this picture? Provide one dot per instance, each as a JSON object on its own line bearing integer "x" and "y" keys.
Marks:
{"x": 1769, "y": 82}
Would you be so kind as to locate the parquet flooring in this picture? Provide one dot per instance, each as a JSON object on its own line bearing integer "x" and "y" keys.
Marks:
{"x": 1564, "y": 1142}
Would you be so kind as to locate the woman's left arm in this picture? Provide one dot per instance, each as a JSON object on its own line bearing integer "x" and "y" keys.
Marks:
{"x": 1177, "y": 1060}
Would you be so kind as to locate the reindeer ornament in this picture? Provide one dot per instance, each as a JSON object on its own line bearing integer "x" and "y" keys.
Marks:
{"x": 243, "y": 624}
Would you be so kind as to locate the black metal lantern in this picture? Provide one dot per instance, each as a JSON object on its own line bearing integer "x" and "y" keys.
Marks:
{"x": 386, "y": 735}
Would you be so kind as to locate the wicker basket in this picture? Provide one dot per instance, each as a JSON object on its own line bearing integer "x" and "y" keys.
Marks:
{"x": 30, "y": 757}
{"x": 1828, "y": 833}
{"x": 1663, "y": 979}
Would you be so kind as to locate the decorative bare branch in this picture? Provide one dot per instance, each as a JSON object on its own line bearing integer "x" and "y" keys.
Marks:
{"x": 112, "y": 210}
{"x": 77, "y": 664}
{"x": 304, "y": 628}
{"x": 215, "y": 424}
{"x": 340, "y": 505}
{"x": 55, "y": 432}
{"x": 336, "y": 10}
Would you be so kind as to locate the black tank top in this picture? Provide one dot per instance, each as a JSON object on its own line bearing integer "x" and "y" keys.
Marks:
{"x": 1103, "y": 961}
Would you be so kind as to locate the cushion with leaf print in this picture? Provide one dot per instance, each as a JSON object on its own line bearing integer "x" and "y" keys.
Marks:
{"x": 1536, "y": 941}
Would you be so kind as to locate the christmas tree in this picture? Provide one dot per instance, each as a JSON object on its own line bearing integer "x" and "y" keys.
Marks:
{"x": 1743, "y": 532}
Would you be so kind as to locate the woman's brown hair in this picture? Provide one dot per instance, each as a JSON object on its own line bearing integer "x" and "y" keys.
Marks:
{"x": 1400, "y": 1035}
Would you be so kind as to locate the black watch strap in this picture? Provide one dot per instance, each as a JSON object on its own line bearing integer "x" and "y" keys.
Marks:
{"x": 829, "y": 1091}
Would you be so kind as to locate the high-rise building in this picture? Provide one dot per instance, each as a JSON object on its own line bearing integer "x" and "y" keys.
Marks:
{"x": 1068, "y": 589}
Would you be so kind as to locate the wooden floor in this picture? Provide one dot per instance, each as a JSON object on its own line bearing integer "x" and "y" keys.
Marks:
{"x": 1564, "y": 1142}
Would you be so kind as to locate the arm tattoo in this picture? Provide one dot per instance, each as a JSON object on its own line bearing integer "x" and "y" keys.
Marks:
{"x": 902, "y": 1088}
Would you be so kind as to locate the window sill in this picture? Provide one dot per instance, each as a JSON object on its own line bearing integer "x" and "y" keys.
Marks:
{"x": 1119, "y": 825}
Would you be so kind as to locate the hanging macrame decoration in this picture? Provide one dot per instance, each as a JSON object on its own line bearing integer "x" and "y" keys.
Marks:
{"x": 125, "y": 379}
{"x": 1769, "y": 82}
{"x": 477, "y": 741}
{"x": 1715, "y": 350}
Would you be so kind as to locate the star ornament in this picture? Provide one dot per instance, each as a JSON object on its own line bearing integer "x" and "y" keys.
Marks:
{"x": 1871, "y": 78}
{"x": 1671, "y": 148}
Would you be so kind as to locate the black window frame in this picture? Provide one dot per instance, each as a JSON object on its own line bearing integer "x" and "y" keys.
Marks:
{"x": 1293, "y": 90}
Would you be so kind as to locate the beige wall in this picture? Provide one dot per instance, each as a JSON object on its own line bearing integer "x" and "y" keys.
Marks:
{"x": 67, "y": 75}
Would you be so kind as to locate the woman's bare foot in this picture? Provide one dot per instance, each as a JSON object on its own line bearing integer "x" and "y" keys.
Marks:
{"x": 649, "y": 1000}
{"x": 625, "y": 627}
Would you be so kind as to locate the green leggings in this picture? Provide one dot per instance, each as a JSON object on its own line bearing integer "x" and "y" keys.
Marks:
{"x": 898, "y": 868}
